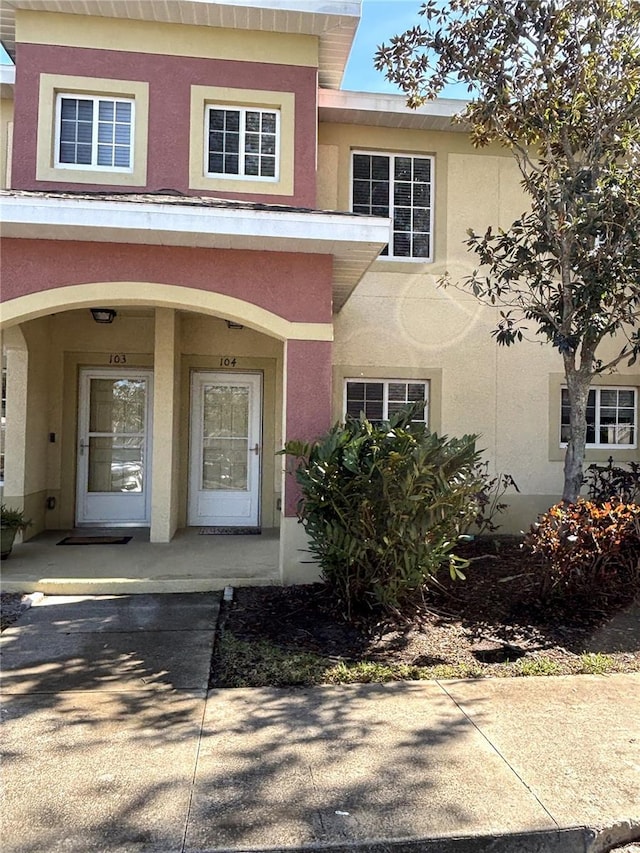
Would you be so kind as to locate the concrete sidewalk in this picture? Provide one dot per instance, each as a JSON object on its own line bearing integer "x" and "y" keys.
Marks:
{"x": 112, "y": 743}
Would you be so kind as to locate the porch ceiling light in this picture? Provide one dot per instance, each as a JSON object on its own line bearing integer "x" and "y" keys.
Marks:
{"x": 232, "y": 325}
{"x": 103, "y": 315}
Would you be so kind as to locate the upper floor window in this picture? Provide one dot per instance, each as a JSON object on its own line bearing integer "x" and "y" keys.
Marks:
{"x": 94, "y": 132}
{"x": 400, "y": 187}
{"x": 242, "y": 142}
{"x": 381, "y": 398}
{"x": 611, "y": 417}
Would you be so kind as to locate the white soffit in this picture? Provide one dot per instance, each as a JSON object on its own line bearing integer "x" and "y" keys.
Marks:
{"x": 353, "y": 241}
{"x": 7, "y": 80}
{"x": 365, "y": 108}
{"x": 333, "y": 21}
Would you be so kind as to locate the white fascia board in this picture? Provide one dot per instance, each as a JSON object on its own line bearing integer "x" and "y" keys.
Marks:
{"x": 385, "y": 103}
{"x": 7, "y": 75}
{"x": 305, "y": 232}
{"x": 7, "y": 81}
{"x": 313, "y": 7}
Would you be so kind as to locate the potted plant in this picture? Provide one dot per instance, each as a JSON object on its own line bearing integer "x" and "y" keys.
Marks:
{"x": 12, "y": 521}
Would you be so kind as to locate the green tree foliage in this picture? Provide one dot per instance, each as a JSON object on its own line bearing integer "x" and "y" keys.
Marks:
{"x": 557, "y": 82}
{"x": 383, "y": 505}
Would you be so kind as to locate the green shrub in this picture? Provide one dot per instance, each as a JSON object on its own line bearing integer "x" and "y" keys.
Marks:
{"x": 383, "y": 506}
{"x": 617, "y": 483}
{"x": 588, "y": 550}
{"x": 488, "y": 500}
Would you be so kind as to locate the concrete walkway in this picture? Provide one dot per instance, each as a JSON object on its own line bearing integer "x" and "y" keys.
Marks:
{"x": 112, "y": 743}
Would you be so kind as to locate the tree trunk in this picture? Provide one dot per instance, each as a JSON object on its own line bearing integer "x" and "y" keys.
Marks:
{"x": 578, "y": 382}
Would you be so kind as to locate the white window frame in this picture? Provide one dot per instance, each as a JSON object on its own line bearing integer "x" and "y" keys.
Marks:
{"x": 94, "y": 166}
{"x": 242, "y": 153}
{"x": 392, "y": 156}
{"x": 597, "y": 389}
{"x": 385, "y": 402}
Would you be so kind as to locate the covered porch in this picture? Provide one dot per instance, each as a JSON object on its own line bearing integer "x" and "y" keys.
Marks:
{"x": 169, "y": 411}
{"x": 191, "y": 562}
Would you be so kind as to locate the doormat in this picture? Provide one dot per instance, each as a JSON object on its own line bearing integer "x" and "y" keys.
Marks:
{"x": 230, "y": 531}
{"x": 95, "y": 540}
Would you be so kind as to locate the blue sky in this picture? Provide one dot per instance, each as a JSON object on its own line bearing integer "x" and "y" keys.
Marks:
{"x": 381, "y": 19}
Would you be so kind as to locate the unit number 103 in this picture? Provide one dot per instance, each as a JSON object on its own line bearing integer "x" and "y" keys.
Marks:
{"x": 117, "y": 358}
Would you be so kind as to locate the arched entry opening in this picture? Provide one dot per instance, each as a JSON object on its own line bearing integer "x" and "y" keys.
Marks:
{"x": 172, "y": 359}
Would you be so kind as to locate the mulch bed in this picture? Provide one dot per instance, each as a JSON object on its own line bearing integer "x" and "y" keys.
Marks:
{"x": 12, "y": 606}
{"x": 491, "y": 617}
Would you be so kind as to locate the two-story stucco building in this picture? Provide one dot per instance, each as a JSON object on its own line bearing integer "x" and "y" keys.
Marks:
{"x": 209, "y": 248}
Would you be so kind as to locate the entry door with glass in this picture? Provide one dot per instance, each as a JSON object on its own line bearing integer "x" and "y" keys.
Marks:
{"x": 114, "y": 449}
{"x": 226, "y": 426}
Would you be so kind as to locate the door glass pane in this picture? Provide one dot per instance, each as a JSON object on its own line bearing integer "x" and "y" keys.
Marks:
{"x": 224, "y": 464}
{"x": 116, "y": 464}
{"x": 225, "y": 437}
{"x": 117, "y": 405}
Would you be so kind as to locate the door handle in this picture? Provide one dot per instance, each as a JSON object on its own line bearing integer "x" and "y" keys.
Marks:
{"x": 256, "y": 449}
{"x": 82, "y": 447}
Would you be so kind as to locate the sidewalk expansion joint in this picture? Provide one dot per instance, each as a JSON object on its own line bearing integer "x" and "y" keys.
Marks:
{"x": 498, "y": 753}
{"x": 193, "y": 778}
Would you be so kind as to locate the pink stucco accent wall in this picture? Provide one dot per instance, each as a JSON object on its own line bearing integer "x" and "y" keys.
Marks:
{"x": 169, "y": 78}
{"x": 308, "y": 400}
{"x": 294, "y": 286}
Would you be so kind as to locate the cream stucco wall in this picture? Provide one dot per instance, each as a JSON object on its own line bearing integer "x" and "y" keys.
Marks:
{"x": 165, "y": 39}
{"x": 6, "y": 130}
{"x": 28, "y": 402}
{"x": 400, "y": 324}
{"x": 166, "y": 425}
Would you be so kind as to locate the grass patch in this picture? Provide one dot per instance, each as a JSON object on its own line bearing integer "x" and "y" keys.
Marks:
{"x": 537, "y": 666}
{"x": 238, "y": 663}
{"x": 597, "y": 664}
{"x": 260, "y": 664}
{"x": 369, "y": 672}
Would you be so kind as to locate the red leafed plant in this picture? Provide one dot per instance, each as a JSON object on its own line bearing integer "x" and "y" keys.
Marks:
{"x": 588, "y": 549}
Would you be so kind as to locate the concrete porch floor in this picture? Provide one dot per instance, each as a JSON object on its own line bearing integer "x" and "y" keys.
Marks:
{"x": 189, "y": 563}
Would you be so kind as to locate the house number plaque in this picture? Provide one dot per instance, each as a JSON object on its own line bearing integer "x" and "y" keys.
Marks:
{"x": 228, "y": 361}
{"x": 117, "y": 358}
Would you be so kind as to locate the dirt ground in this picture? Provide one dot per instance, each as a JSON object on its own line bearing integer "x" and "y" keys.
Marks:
{"x": 492, "y": 617}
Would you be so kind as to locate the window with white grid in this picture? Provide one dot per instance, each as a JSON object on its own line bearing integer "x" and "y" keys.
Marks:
{"x": 242, "y": 142}
{"x": 612, "y": 417}
{"x": 94, "y": 132}
{"x": 398, "y": 186}
{"x": 381, "y": 398}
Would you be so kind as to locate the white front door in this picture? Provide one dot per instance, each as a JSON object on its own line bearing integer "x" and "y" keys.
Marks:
{"x": 226, "y": 427}
{"x": 114, "y": 448}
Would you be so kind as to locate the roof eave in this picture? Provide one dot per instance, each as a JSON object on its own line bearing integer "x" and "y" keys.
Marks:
{"x": 334, "y": 22}
{"x": 354, "y": 242}
{"x": 385, "y": 110}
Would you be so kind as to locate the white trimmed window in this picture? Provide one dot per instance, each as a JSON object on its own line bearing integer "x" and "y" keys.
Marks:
{"x": 242, "y": 142}
{"x": 398, "y": 186}
{"x": 381, "y": 398}
{"x": 94, "y": 132}
{"x": 612, "y": 417}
